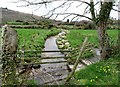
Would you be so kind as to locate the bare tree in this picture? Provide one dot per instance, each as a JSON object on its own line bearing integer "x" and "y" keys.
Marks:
{"x": 99, "y": 17}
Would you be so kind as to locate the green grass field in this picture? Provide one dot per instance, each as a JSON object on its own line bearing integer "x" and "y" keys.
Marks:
{"x": 33, "y": 39}
{"x": 76, "y": 37}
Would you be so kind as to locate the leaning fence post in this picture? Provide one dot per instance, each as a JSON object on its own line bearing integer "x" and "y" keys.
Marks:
{"x": 8, "y": 56}
{"x": 77, "y": 61}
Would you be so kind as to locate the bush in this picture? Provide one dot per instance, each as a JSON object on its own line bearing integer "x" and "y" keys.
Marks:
{"x": 19, "y": 21}
{"x": 25, "y": 23}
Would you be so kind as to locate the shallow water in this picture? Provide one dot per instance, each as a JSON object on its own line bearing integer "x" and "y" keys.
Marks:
{"x": 56, "y": 70}
{"x": 50, "y": 45}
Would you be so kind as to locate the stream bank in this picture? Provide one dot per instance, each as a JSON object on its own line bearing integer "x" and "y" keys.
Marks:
{"x": 64, "y": 44}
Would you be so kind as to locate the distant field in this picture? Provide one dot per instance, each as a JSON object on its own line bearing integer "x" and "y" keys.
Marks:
{"x": 76, "y": 37}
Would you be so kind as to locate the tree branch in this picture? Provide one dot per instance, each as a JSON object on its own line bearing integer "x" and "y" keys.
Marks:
{"x": 74, "y": 18}
{"x": 55, "y": 8}
{"x": 73, "y": 14}
{"x": 66, "y": 16}
{"x": 115, "y": 10}
{"x": 77, "y": 60}
{"x": 92, "y": 10}
{"x": 68, "y": 6}
{"x": 34, "y": 3}
{"x": 85, "y": 2}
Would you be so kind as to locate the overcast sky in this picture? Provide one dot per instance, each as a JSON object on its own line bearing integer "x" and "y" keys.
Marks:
{"x": 43, "y": 10}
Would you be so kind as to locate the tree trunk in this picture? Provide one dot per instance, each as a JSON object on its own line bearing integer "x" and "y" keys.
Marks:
{"x": 101, "y": 27}
{"x": 103, "y": 40}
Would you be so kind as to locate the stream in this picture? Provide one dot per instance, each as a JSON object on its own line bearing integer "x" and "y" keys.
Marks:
{"x": 51, "y": 73}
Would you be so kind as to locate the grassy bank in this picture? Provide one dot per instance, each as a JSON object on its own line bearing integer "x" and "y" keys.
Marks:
{"x": 102, "y": 73}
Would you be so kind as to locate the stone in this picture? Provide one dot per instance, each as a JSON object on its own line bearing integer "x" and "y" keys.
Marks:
{"x": 9, "y": 39}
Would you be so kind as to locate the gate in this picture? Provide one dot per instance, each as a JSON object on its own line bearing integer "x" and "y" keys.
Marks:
{"x": 48, "y": 69}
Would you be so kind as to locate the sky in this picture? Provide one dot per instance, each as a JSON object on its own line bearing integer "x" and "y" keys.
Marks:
{"x": 40, "y": 11}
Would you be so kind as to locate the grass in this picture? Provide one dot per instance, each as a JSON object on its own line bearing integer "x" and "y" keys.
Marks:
{"x": 15, "y": 23}
{"x": 76, "y": 38}
{"x": 33, "y": 39}
{"x": 102, "y": 73}
{"x": 31, "y": 83}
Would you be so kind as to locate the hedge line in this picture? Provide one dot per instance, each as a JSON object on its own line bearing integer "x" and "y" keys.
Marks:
{"x": 27, "y": 26}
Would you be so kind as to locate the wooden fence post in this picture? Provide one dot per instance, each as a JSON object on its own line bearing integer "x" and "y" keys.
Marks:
{"x": 9, "y": 49}
{"x": 77, "y": 61}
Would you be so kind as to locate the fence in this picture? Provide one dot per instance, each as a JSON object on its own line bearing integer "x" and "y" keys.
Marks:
{"x": 11, "y": 59}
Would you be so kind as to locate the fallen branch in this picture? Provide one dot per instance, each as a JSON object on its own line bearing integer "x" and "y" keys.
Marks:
{"x": 77, "y": 61}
